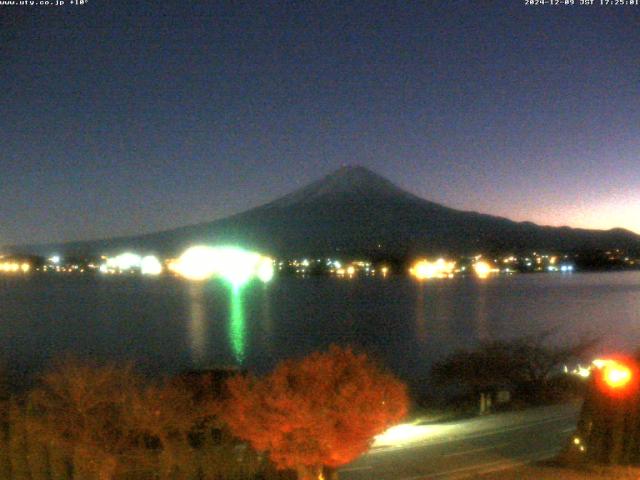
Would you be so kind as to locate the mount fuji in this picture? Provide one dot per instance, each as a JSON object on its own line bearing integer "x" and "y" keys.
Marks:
{"x": 354, "y": 211}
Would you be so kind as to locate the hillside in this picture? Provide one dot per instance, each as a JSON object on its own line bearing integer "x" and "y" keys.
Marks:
{"x": 356, "y": 211}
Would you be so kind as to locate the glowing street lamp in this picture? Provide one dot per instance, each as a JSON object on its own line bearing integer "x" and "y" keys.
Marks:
{"x": 615, "y": 377}
{"x": 608, "y": 423}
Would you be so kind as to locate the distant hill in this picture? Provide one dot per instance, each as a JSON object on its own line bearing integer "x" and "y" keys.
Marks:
{"x": 355, "y": 211}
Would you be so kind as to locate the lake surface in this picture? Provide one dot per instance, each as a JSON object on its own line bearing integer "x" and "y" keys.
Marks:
{"x": 166, "y": 324}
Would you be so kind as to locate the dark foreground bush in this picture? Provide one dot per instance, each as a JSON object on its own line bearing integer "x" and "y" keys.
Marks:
{"x": 528, "y": 367}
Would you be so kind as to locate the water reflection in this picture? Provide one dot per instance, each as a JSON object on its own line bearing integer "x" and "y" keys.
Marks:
{"x": 267, "y": 320}
{"x": 200, "y": 327}
{"x": 433, "y": 314}
{"x": 198, "y": 331}
{"x": 421, "y": 319}
{"x": 442, "y": 306}
{"x": 481, "y": 316}
{"x": 237, "y": 324}
{"x": 53, "y": 315}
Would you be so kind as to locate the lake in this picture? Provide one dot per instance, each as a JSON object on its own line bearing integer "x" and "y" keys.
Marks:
{"x": 166, "y": 325}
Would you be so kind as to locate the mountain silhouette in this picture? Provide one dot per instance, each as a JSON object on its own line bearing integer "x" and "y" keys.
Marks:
{"x": 354, "y": 211}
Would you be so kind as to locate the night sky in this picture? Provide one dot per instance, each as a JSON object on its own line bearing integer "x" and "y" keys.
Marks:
{"x": 124, "y": 117}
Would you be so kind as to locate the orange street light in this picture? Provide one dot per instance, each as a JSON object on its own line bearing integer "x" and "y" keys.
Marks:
{"x": 615, "y": 376}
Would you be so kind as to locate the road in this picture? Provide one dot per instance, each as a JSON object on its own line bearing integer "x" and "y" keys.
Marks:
{"x": 466, "y": 448}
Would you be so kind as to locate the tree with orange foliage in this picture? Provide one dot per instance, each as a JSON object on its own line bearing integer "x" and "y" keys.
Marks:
{"x": 80, "y": 408}
{"x": 316, "y": 413}
{"x": 165, "y": 414}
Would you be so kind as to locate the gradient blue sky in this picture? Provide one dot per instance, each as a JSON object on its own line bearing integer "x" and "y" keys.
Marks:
{"x": 124, "y": 117}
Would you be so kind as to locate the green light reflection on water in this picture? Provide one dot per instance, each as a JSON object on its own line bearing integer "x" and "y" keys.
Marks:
{"x": 237, "y": 325}
{"x": 198, "y": 326}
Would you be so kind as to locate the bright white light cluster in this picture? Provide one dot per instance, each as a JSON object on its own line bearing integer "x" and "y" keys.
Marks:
{"x": 150, "y": 265}
{"x": 483, "y": 269}
{"x": 235, "y": 265}
{"x": 125, "y": 262}
{"x": 425, "y": 269}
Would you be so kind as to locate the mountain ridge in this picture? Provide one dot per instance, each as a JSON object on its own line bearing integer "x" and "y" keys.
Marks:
{"x": 353, "y": 210}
